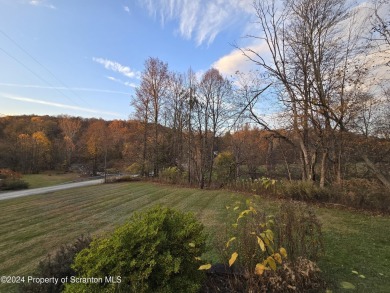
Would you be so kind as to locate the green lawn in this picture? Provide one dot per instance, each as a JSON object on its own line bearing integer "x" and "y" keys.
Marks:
{"x": 48, "y": 179}
{"x": 356, "y": 242}
{"x": 30, "y": 227}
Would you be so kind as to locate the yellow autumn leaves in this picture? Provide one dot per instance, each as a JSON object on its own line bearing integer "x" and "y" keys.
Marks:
{"x": 269, "y": 259}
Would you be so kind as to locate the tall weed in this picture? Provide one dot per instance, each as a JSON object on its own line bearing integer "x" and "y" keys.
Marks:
{"x": 267, "y": 253}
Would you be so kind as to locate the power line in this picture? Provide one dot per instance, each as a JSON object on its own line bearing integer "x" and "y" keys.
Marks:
{"x": 36, "y": 75}
{"x": 43, "y": 66}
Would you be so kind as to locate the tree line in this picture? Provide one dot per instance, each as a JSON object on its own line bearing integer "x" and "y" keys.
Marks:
{"x": 321, "y": 71}
{"x": 332, "y": 121}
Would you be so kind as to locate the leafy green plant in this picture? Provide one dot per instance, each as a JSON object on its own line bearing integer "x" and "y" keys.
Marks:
{"x": 224, "y": 167}
{"x": 250, "y": 248}
{"x": 171, "y": 175}
{"x": 258, "y": 260}
{"x": 263, "y": 185}
{"x": 260, "y": 253}
{"x": 156, "y": 251}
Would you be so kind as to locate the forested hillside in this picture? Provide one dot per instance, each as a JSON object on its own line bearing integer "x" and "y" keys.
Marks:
{"x": 33, "y": 144}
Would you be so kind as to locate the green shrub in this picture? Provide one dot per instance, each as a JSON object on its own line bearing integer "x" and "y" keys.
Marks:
{"x": 225, "y": 166}
{"x": 58, "y": 266}
{"x": 10, "y": 184}
{"x": 171, "y": 175}
{"x": 304, "y": 190}
{"x": 156, "y": 251}
{"x": 261, "y": 186}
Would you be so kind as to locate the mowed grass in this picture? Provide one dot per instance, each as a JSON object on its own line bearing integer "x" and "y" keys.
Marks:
{"x": 48, "y": 179}
{"x": 356, "y": 242}
{"x": 31, "y": 227}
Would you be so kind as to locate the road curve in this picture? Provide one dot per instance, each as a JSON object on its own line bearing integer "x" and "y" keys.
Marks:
{"x": 27, "y": 192}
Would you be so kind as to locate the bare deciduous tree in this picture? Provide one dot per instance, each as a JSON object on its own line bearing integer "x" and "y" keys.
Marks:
{"x": 312, "y": 64}
{"x": 150, "y": 96}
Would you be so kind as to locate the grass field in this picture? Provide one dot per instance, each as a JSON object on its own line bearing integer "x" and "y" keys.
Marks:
{"x": 30, "y": 227}
{"x": 48, "y": 179}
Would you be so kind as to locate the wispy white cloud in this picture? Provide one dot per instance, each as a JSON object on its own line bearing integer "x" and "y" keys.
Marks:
{"x": 201, "y": 20}
{"x": 235, "y": 60}
{"x": 126, "y": 83}
{"x": 116, "y": 67}
{"x": 62, "y": 88}
{"x": 57, "y": 105}
{"x": 126, "y": 8}
{"x": 42, "y": 3}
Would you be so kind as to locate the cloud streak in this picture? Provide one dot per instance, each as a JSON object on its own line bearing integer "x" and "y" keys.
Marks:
{"x": 126, "y": 83}
{"x": 116, "y": 67}
{"x": 42, "y": 3}
{"x": 57, "y": 105}
{"x": 201, "y": 20}
{"x": 62, "y": 88}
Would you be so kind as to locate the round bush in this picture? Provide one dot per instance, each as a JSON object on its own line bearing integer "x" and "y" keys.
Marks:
{"x": 156, "y": 251}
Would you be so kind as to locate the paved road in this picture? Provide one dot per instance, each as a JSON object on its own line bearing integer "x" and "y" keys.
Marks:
{"x": 27, "y": 192}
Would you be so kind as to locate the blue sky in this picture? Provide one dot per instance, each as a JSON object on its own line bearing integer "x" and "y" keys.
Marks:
{"x": 84, "y": 57}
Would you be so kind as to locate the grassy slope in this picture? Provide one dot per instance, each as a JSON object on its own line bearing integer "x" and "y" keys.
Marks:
{"x": 356, "y": 242}
{"x": 47, "y": 179}
{"x": 30, "y": 227}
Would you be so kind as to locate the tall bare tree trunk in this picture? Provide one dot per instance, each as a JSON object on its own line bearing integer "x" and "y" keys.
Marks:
{"x": 145, "y": 135}
{"x": 285, "y": 162}
{"x": 324, "y": 160}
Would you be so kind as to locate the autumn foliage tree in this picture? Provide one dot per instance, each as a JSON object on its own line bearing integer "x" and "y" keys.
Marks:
{"x": 98, "y": 143}
{"x": 70, "y": 127}
{"x": 41, "y": 147}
